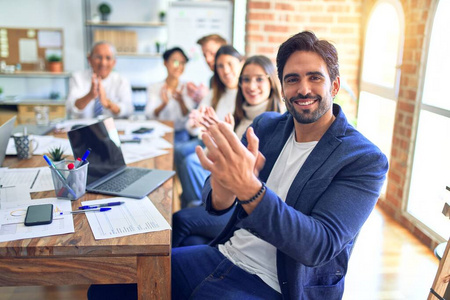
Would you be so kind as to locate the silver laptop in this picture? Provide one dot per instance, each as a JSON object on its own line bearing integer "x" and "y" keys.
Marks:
{"x": 107, "y": 171}
{"x": 5, "y": 134}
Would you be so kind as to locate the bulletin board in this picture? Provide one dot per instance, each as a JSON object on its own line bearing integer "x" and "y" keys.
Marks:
{"x": 30, "y": 47}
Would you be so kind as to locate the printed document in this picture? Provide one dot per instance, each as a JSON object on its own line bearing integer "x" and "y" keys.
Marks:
{"x": 132, "y": 217}
{"x": 30, "y": 179}
{"x": 12, "y": 221}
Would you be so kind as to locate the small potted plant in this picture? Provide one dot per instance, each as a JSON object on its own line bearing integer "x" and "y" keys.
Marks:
{"x": 56, "y": 153}
{"x": 162, "y": 16}
{"x": 54, "y": 63}
{"x": 104, "y": 9}
{"x": 1, "y": 92}
{"x": 158, "y": 46}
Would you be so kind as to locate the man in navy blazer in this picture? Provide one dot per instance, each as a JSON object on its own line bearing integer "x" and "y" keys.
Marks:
{"x": 303, "y": 184}
{"x": 298, "y": 214}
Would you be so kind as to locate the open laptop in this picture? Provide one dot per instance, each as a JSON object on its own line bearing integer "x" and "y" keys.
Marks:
{"x": 107, "y": 171}
{"x": 5, "y": 134}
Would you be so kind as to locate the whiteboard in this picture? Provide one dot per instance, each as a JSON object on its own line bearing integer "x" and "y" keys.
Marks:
{"x": 188, "y": 22}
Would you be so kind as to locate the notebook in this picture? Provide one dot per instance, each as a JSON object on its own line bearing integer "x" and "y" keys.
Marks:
{"x": 5, "y": 134}
{"x": 107, "y": 171}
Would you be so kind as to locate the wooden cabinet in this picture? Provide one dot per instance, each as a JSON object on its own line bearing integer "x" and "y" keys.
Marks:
{"x": 26, "y": 112}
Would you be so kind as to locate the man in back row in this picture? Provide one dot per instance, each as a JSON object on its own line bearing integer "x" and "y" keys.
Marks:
{"x": 99, "y": 91}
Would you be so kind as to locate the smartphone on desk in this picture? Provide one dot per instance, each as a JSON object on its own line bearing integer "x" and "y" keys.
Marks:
{"x": 142, "y": 130}
{"x": 39, "y": 214}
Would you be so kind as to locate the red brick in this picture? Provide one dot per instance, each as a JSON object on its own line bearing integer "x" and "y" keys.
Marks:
{"x": 258, "y": 5}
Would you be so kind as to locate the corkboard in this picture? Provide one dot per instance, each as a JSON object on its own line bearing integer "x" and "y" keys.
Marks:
{"x": 29, "y": 47}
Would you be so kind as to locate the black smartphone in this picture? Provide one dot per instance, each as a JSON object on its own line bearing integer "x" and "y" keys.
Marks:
{"x": 39, "y": 214}
{"x": 143, "y": 130}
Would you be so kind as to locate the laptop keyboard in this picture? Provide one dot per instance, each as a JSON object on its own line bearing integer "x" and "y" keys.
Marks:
{"x": 123, "y": 180}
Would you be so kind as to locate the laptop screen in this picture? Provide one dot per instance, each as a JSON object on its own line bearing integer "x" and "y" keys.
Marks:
{"x": 103, "y": 139}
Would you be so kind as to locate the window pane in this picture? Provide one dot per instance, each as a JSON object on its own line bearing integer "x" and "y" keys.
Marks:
{"x": 376, "y": 119}
{"x": 436, "y": 82}
{"x": 381, "y": 46}
{"x": 431, "y": 173}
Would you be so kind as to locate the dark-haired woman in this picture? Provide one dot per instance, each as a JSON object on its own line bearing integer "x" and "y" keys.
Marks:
{"x": 168, "y": 100}
{"x": 259, "y": 91}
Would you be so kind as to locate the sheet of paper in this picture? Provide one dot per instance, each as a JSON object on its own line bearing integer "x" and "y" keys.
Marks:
{"x": 137, "y": 152}
{"x": 28, "y": 51}
{"x": 49, "y": 39}
{"x": 67, "y": 124}
{"x": 13, "y": 195}
{"x": 12, "y": 227}
{"x": 159, "y": 129}
{"x": 133, "y": 217}
{"x": 31, "y": 179}
{"x": 45, "y": 143}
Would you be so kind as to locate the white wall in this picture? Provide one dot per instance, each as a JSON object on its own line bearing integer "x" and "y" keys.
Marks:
{"x": 65, "y": 14}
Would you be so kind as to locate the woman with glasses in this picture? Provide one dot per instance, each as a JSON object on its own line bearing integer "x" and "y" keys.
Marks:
{"x": 168, "y": 100}
{"x": 259, "y": 91}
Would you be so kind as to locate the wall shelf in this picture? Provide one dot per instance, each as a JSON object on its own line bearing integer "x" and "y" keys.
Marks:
{"x": 125, "y": 24}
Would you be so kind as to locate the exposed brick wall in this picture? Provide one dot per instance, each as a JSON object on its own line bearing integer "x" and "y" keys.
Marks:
{"x": 270, "y": 22}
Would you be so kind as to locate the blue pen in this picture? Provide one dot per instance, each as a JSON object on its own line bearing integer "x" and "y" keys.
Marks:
{"x": 85, "y": 155}
{"x": 88, "y": 210}
{"x": 61, "y": 176}
{"x": 101, "y": 205}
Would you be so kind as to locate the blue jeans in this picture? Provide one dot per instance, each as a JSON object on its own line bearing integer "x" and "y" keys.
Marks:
{"x": 192, "y": 178}
{"x": 195, "y": 226}
{"x": 198, "y": 272}
{"x": 202, "y": 272}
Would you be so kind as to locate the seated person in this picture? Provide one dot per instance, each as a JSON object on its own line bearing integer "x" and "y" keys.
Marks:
{"x": 168, "y": 100}
{"x": 99, "y": 91}
{"x": 259, "y": 91}
{"x": 228, "y": 65}
{"x": 210, "y": 44}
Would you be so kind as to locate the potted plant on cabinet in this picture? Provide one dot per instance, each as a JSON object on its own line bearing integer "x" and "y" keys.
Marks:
{"x": 162, "y": 16}
{"x": 104, "y": 9}
{"x": 54, "y": 63}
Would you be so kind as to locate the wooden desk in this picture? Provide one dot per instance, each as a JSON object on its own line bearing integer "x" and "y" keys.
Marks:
{"x": 78, "y": 258}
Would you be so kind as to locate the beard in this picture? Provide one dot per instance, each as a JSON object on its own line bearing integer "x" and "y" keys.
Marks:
{"x": 308, "y": 116}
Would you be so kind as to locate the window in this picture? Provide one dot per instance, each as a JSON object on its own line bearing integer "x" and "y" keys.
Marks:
{"x": 431, "y": 164}
{"x": 383, "y": 50}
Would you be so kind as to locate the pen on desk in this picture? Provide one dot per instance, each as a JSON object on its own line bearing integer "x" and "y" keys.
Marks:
{"x": 85, "y": 155}
{"x": 87, "y": 210}
{"x": 37, "y": 174}
{"x": 101, "y": 205}
{"x": 61, "y": 176}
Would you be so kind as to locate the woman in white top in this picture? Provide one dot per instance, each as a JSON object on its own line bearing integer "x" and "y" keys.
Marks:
{"x": 228, "y": 65}
{"x": 259, "y": 91}
{"x": 168, "y": 100}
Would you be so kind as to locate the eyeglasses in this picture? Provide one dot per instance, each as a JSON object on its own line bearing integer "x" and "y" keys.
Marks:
{"x": 100, "y": 57}
{"x": 176, "y": 63}
{"x": 247, "y": 80}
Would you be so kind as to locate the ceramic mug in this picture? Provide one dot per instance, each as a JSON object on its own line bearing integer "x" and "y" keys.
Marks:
{"x": 25, "y": 146}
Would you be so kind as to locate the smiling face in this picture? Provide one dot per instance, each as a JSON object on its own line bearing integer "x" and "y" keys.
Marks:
{"x": 255, "y": 84}
{"x": 175, "y": 64}
{"x": 102, "y": 60}
{"x": 228, "y": 68}
{"x": 209, "y": 50}
{"x": 307, "y": 88}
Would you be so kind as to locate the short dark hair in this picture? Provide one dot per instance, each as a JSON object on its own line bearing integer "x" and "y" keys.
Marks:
{"x": 307, "y": 41}
{"x": 212, "y": 37}
{"x": 169, "y": 52}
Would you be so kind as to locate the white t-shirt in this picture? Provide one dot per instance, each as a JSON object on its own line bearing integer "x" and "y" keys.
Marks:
{"x": 117, "y": 89}
{"x": 172, "y": 111}
{"x": 250, "y": 252}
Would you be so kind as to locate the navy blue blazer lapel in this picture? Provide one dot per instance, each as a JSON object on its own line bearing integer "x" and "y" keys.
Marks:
{"x": 324, "y": 148}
